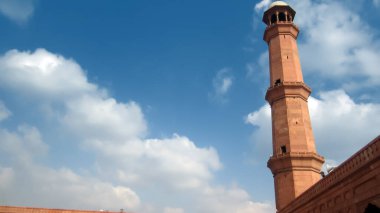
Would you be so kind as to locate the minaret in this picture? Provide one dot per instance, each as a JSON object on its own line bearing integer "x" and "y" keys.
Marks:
{"x": 295, "y": 163}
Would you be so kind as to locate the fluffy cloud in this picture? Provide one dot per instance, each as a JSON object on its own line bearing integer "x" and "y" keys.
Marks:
{"x": 263, "y": 4}
{"x": 62, "y": 188}
{"x": 337, "y": 36}
{"x": 176, "y": 162}
{"x": 256, "y": 69}
{"x": 233, "y": 199}
{"x": 4, "y": 111}
{"x": 261, "y": 138}
{"x": 376, "y": 3}
{"x": 6, "y": 177}
{"x": 44, "y": 75}
{"x": 25, "y": 182}
{"x": 335, "y": 116}
{"x": 17, "y": 10}
{"x": 23, "y": 144}
{"x": 222, "y": 83}
{"x": 57, "y": 90}
{"x": 173, "y": 210}
{"x": 95, "y": 117}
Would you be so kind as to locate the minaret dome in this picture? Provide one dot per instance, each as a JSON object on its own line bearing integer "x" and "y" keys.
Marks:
{"x": 278, "y": 12}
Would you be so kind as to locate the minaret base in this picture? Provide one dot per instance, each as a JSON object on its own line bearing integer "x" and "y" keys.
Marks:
{"x": 293, "y": 174}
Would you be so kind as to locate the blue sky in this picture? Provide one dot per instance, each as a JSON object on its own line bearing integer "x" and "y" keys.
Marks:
{"x": 158, "y": 106}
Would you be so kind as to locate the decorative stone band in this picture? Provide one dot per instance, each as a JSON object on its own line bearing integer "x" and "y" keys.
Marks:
{"x": 365, "y": 158}
{"x": 302, "y": 161}
{"x": 284, "y": 28}
{"x": 287, "y": 89}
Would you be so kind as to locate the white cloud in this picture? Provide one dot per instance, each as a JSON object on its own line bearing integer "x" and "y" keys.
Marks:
{"x": 92, "y": 116}
{"x": 179, "y": 158}
{"x": 341, "y": 126}
{"x": 255, "y": 71}
{"x": 24, "y": 182}
{"x": 338, "y": 37}
{"x": 25, "y": 143}
{"x": 335, "y": 117}
{"x": 222, "y": 83}
{"x": 262, "y": 135}
{"x": 43, "y": 74}
{"x": 263, "y": 4}
{"x": 233, "y": 199}
{"x": 19, "y": 11}
{"x": 113, "y": 133}
{"x": 176, "y": 163}
{"x": 4, "y": 111}
{"x": 70, "y": 190}
{"x": 173, "y": 210}
{"x": 225, "y": 86}
{"x": 6, "y": 177}
{"x": 376, "y": 3}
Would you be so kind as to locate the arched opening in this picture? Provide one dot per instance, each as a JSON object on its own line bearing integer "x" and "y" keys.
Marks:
{"x": 371, "y": 208}
{"x": 290, "y": 18}
{"x": 273, "y": 19}
{"x": 281, "y": 17}
{"x": 283, "y": 149}
{"x": 277, "y": 82}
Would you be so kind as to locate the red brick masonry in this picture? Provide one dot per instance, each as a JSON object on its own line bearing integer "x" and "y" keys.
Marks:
{"x": 14, "y": 209}
{"x": 348, "y": 188}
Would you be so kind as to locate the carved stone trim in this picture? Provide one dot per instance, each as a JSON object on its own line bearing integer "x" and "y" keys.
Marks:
{"x": 285, "y": 28}
{"x": 293, "y": 161}
{"x": 287, "y": 89}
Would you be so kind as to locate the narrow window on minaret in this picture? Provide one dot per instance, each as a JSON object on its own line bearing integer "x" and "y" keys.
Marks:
{"x": 283, "y": 149}
{"x": 273, "y": 19}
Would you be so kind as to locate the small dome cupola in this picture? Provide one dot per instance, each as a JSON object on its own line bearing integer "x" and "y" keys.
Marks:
{"x": 278, "y": 12}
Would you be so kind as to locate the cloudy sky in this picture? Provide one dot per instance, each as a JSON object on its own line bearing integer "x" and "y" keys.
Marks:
{"x": 158, "y": 106}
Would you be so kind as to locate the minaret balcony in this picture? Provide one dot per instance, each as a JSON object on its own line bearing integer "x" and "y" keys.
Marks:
{"x": 287, "y": 89}
{"x": 292, "y": 161}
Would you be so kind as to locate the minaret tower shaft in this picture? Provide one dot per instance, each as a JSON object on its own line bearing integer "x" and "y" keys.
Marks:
{"x": 295, "y": 163}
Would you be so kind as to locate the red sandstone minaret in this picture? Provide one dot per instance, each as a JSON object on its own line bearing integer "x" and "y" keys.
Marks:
{"x": 295, "y": 163}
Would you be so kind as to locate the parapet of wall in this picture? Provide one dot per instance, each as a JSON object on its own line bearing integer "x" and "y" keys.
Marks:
{"x": 15, "y": 209}
{"x": 348, "y": 188}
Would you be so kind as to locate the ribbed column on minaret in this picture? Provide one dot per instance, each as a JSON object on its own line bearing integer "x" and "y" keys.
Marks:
{"x": 295, "y": 163}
